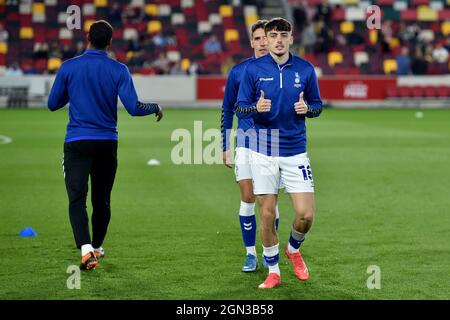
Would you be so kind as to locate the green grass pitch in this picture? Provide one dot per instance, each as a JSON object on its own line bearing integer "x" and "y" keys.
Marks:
{"x": 382, "y": 198}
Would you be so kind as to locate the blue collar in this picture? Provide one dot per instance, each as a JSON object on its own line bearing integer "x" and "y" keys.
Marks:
{"x": 288, "y": 62}
{"x": 95, "y": 51}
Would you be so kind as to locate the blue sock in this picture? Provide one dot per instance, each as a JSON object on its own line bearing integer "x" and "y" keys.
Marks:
{"x": 247, "y": 220}
{"x": 248, "y": 228}
{"x": 296, "y": 238}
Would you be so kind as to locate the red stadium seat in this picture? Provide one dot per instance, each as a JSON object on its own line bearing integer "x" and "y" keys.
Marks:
{"x": 404, "y": 92}
{"x": 419, "y": 2}
{"x": 408, "y": 15}
{"x": 40, "y": 65}
{"x": 444, "y": 14}
{"x": 443, "y": 91}
{"x": 430, "y": 92}
{"x": 26, "y": 20}
{"x": 189, "y": 38}
{"x": 418, "y": 91}
{"x": 338, "y": 14}
{"x": 392, "y": 92}
{"x": 385, "y": 2}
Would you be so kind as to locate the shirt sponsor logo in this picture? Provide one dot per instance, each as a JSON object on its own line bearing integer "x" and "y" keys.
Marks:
{"x": 266, "y": 79}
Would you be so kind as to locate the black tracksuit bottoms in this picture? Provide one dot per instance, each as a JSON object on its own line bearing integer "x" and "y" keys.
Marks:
{"x": 96, "y": 159}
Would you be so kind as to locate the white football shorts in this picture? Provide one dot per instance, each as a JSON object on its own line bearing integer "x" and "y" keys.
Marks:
{"x": 293, "y": 173}
{"x": 242, "y": 169}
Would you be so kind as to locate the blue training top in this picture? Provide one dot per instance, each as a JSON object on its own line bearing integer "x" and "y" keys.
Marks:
{"x": 282, "y": 84}
{"x": 91, "y": 83}
{"x": 228, "y": 106}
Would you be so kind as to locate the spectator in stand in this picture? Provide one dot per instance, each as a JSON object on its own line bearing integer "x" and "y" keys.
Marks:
{"x": 195, "y": 68}
{"x": 227, "y": 65}
{"x": 300, "y": 17}
{"x": 132, "y": 14}
{"x": 212, "y": 45}
{"x": 162, "y": 64}
{"x": 309, "y": 38}
{"x": 133, "y": 44}
{"x": 68, "y": 52}
{"x": 40, "y": 50}
{"x": 440, "y": 54}
{"x": 137, "y": 60}
{"x": 159, "y": 41}
{"x": 419, "y": 65}
{"x": 176, "y": 69}
{"x": 386, "y": 36}
{"x": 13, "y": 70}
{"x": 171, "y": 39}
{"x": 115, "y": 15}
{"x": 324, "y": 36}
{"x": 355, "y": 38}
{"x": 403, "y": 62}
{"x": 80, "y": 48}
{"x": 3, "y": 34}
{"x": 324, "y": 12}
{"x": 447, "y": 44}
{"x": 55, "y": 51}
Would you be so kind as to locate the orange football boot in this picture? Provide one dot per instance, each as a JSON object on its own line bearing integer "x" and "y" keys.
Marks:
{"x": 273, "y": 280}
{"x": 300, "y": 268}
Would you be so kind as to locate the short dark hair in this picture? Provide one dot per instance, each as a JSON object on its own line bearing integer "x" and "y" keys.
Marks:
{"x": 260, "y": 24}
{"x": 100, "y": 34}
{"x": 278, "y": 24}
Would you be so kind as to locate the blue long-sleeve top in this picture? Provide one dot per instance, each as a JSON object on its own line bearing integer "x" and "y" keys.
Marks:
{"x": 282, "y": 84}
{"x": 91, "y": 83}
{"x": 228, "y": 106}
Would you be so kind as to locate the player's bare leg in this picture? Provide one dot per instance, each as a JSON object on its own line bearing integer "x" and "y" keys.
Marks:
{"x": 269, "y": 238}
{"x": 303, "y": 204}
{"x": 246, "y": 187}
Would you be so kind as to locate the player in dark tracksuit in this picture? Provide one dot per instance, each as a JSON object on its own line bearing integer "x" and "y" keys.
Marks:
{"x": 91, "y": 83}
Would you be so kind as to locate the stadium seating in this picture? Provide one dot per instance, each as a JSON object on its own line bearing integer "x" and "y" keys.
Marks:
{"x": 352, "y": 47}
{"x": 417, "y": 91}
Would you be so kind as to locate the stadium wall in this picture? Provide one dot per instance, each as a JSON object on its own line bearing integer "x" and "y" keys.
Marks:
{"x": 207, "y": 91}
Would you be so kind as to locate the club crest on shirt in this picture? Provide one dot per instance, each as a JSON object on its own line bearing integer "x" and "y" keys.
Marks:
{"x": 297, "y": 83}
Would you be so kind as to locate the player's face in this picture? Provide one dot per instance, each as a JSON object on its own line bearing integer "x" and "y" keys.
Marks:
{"x": 279, "y": 42}
{"x": 259, "y": 42}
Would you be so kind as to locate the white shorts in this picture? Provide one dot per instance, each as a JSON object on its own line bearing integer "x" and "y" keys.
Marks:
{"x": 294, "y": 173}
{"x": 242, "y": 169}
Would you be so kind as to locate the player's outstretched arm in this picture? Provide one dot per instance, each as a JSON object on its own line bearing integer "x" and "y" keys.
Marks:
{"x": 59, "y": 96}
{"x": 129, "y": 98}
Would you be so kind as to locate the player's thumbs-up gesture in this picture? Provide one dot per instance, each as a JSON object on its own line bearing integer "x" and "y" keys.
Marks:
{"x": 263, "y": 105}
{"x": 300, "y": 106}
